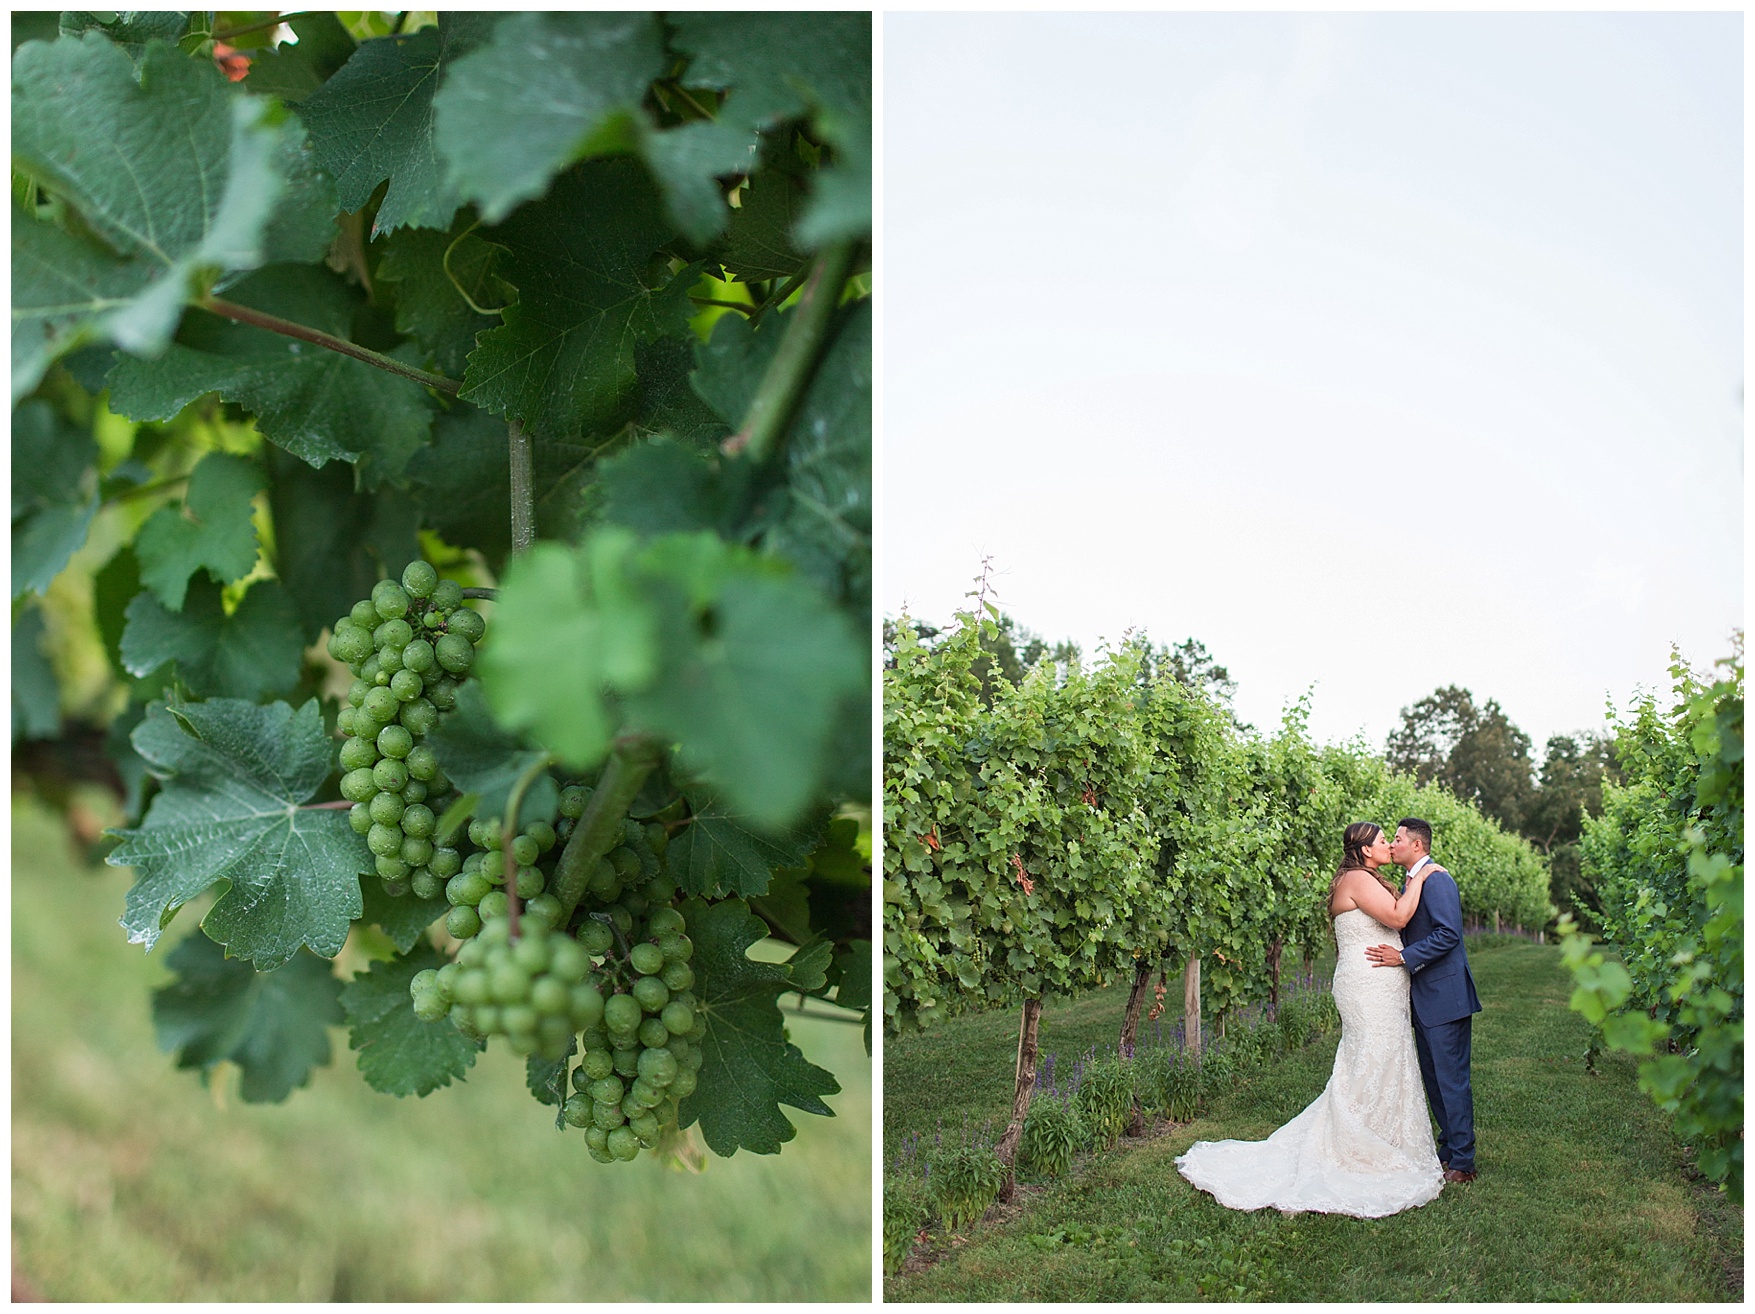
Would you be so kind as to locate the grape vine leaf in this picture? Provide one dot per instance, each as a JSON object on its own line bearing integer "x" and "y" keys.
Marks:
{"x": 293, "y": 72}
{"x": 563, "y": 360}
{"x": 272, "y": 1024}
{"x": 547, "y": 1078}
{"x": 669, "y": 403}
{"x": 546, "y": 89}
{"x": 129, "y": 29}
{"x": 759, "y": 241}
{"x": 482, "y": 759}
{"x": 667, "y": 487}
{"x": 233, "y": 778}
{"x": 372, "y": 121}
{"x": 333, "y": 543}
{"x": 317, "y": 404}
{"x": 404, "y": 919}
{"x": 54, "y": 496}
{"x": 753, "y": 667}
{"x": 213, "y": 528}
{"x": 256, "y": 650}
{"x": 400, "y": 1054}
{"x": 435, "y": 275}
{"x": 719, "y": 852}
{"x": 774, "y": 67}
{"x": 567, "y": 624}
{"x": 36, "y": 694}
{"x": 749, "y": 1068}
{"x": 463, "y": 483}
{"x": 174, "y": 174}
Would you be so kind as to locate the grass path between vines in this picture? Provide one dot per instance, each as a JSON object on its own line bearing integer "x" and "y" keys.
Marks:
{"x": 130, "y": 1182}
{"x": 1583, "y": 1195}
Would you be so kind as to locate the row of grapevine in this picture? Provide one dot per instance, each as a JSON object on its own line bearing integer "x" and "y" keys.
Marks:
{"x": 1092, "y": 824}
{"x": 1667, "y": 858}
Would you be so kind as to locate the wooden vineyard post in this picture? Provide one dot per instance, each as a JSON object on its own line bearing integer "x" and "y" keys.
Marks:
{"x": 1495, "y": 921}
{"x": 1007, "y": 1148}
{"x": 1191, "y": 1006}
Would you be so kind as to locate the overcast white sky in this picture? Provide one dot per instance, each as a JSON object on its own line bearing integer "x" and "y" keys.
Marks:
{"x": 1379, "y": 352}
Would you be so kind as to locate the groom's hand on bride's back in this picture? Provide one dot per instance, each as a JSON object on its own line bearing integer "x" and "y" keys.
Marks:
{"x": 1383, "y": 955}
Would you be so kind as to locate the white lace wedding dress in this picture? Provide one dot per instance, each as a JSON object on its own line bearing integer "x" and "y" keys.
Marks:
{"x": 1364, "y": 1146}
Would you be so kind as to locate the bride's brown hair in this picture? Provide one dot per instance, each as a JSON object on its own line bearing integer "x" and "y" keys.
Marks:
{"x": 1358, "y": 837}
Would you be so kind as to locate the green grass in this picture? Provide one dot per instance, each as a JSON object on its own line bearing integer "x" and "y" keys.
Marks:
{"x": 132, "y": 1182}
{"x": 1583, "y": 1193}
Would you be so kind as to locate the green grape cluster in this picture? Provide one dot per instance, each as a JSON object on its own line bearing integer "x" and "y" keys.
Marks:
{"x": 410, "y": 646}
{"x": 537, "y": 991}
{"x": 640, "y": 1059}
{"x": 476, "y": 891}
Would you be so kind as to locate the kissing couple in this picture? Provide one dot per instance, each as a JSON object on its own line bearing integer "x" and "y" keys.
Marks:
{"x": 1364, "y": 1146}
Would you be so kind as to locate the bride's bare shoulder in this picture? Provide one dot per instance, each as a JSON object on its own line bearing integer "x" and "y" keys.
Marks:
{"x": 1345, "y": 897}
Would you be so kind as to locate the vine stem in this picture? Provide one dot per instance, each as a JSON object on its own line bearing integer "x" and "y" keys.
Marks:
{"x": 784, "y": 383}
{"x": 508, "y": 832}
{"x": 316, "y": 807}
{"x": 599, "y": 830}
{"x": 304, "y": 333}
{"x": 488, "y": 595}
{"x": 523, "y": 487}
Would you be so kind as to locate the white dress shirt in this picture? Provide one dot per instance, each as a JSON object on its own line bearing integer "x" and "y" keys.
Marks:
{"x": 1424, "y": 859}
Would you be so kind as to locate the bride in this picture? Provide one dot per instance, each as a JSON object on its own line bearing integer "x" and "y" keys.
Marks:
{"x": 1364, "y": 1146}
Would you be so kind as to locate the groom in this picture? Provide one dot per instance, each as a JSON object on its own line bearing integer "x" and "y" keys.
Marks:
{"x": 1444, "y": 997}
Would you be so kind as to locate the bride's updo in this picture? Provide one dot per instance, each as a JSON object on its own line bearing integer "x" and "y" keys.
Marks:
{"x": 1357, "y": 837}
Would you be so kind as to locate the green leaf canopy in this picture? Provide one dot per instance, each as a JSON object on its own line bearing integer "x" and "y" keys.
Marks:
{"x": 234, "y": 776}
{"x": 400, "y": 1054}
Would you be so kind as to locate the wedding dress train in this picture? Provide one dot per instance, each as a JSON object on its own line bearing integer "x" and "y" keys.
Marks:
{"x": 1364, "y": 1146}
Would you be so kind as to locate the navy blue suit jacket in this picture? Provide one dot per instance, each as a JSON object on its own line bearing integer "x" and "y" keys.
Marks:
{"x": 1432, "y": 949}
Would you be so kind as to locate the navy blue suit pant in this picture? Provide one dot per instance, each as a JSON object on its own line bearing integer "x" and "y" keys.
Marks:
{"x": 1444, "y": 1068}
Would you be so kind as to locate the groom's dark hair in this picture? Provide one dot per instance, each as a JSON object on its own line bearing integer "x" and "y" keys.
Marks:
{"x": 1420, "y": 830}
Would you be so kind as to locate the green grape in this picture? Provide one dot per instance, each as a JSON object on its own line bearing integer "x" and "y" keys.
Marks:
{"x": 573, "y": 801}
{"x": 416, "y": 852}
{"x": 585, "y": 1005}
{"x": 391, "y": 868}
{"x": 664, "y": 921}
{"x": 678, "y": 976}
{"x": 657, "y": 838}
{"x": 430, "y": 1008}
{"x": 597, "y": 1141}
{"x": 530, "y": 882}
{"x": 567, "y": 959}
{"x": 471, "y": 987}
{"x": 608, "y": 1116}
{"x": 447, "y": 595}
{"x": 425, "y": 883}
{"x": 365, "y": 615}
{"x": 651, "y": 993}
{"x": 445, "y": 862}
{"x": 424, "y": 980}
{"x": 658, "y": 1066}
{"x": 350, "y": 644}
{"x": 421, "y": 763}
{"x": 653, "y": 1033}
{"x": 621, "y": 1013}
{"x": 677, "y": 948}
{"x": 395, "y": 634}
{"x": 466, "y": 889}
{"x": 627, "y": 1060}
{"x": 577, "y": 1111}
{"x": 545, "y": 907}
{"x": 406, "y": 686}
{"x": 395, "y": 741}
{"x": 419, "y": 579}
{"x": 359, "y": 816}
{"x": 620, "y": 918}
{"x": 446, "y": 979}
{"x": 443, "y": 694}
{"x": 389, "y": 663}
{"x": 418, "y": 821}
{"x": 380, "y": 705}
{"x": 634, "y": 902}
{"x": 389, "y": 599}
{"x": 543, "y": 834}
{"x": 515, "y": 1016}
{"x": 356, "y": 692}
{"x": 548, "y": 996}
{"x": 647, "y": 960}
{"x": 455, "y": 653}
{"x": 469, "y": 624}
{"x": 383, "y": 840}
{"x": 368, "y": 670}
{"x": 415, "y": 791}
{"x": 357, "y": 786}
{"x": 645, "y": 1127}
{"x": 493, "y": 903}
{"x": 525, "y": 850}
{"x": 623, "y": 1145}
{"x": 660, "y": 890}
{"x": 531, "y": 953}
{"x": 603, "y": 878}
{"x": 417, "y": 656}
{"x": 608, "y": 1090}
{"x": 510, "y": 984}
{"x": 597, "y": 1064}
{"x": 625, "y": 861}
{"x": 344, "y": 721}
{"x": 596, "y": 938}
{"x": 387, "y": 810}
{"x": 389, "y": 774}
{"x": 420, "y": 716}
{"x": 475, "y": 862}
{"x": 357, "y": 753}
{"x": 684, "y": 1085}
{"x": 462, "y": 922}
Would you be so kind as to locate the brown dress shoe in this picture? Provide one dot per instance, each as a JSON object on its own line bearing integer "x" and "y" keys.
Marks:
{"x": 1456, "y": 1175}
